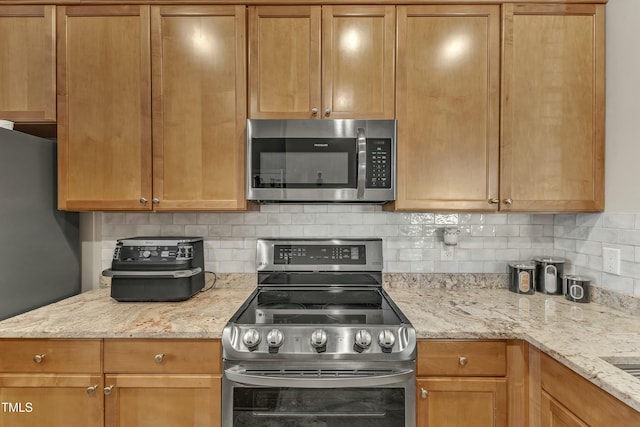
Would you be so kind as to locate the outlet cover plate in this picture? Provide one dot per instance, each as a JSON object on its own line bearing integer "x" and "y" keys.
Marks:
{"x": 611, "y": 260}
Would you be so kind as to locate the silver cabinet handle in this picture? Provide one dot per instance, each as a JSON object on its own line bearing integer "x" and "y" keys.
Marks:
{"x": 143, "y": 200}
{"x": 462, "y": 361}
{"x": 159, "y": 357}
{"x": 39, "y": 358}
{"x": 92, "y": 389}
{"x": 423, "y": 393}
{"x": 508, "y": 201}
{"x": 107, "y": 390}
{"x": 494, "y": 201}
{"x": 327, "y": 111}
{"x": 155, "y": 201}
{"x": 361, "y": 146}
{"x": 314, "y": 111}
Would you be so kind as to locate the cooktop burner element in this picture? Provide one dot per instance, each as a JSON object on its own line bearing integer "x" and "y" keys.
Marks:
{"x": 319, "y": 299}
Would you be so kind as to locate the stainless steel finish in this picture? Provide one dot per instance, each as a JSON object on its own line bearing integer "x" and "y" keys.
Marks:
{"x": 325, "y": 128}
{"x": 508, "y": 201}
{"x": 159, "y": 358}
{"x": 275, "y": 338}
{"x": 92, "y": 389}
{"x": 159, "y": 241}
{"x": 629, "y": 368}
{"x": 362, "y": 340}
{"x": 107, "y": 390}
{"x": 362, "y": 163}
{"x": 175, "y": 274}
{"x": 386, "y": 339}
{"x": 319, "y": 340}
{"x": 39, "y": 358}
{"x": 251, "y": 339}
{"x": 143, "y": 200}
{"x": 494, "y": 201}
{"x": 265, "y": 255}
{"x": 155, "y": 201}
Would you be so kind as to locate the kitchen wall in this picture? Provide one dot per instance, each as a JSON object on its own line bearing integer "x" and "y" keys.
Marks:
{"x": 413, "y": 242}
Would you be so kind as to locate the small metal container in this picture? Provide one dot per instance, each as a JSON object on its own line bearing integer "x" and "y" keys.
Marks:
{"x": 576, "y": 288}
{"x": 522, "y": 278}
{"x": 549, "y": 273}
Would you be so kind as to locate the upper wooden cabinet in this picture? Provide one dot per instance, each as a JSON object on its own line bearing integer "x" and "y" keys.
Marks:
{"x": 354, "y": 79}
{"x": 104, "y": 108}
{"x": 105, "y": 131}
{"x": 199, "y": 107}
{"x": 448, "y": 107}
{"x": 552, "y": 156}
{"x": 28, "y": 63}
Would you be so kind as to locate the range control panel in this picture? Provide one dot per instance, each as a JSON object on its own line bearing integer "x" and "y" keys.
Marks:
{"x": 319, "y": 254}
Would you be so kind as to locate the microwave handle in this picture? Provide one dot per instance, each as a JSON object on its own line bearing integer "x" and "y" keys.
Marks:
{"x": 362, "y": 163}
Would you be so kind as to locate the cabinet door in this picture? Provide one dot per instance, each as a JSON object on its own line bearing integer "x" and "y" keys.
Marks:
{"x": 461, "y": 402}
{"x": 552, "y": 156}
{"x": 54, "y": 400}
{"x": 553, "y": 414}
{"x": 28, "y": 58}
{"x": 163, "y": 400}
{"x": 447, "y": 107}
{"x": 358, "y": 69}
{"x": 199, "y": 98}
{"x": 104, "y": 114}
{"x": 284, "y": 62}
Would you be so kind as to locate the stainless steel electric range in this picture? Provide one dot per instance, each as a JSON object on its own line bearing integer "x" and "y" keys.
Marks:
{"x": 319, "y": 342}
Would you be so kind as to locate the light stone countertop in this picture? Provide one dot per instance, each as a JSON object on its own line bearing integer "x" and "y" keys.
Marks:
{"x": 577, "y": 335}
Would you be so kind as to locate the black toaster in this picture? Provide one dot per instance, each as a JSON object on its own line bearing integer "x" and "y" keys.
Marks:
{"x": 157, "y": 269}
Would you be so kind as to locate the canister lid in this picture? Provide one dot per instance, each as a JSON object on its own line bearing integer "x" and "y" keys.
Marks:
{"x": 576, "y": 278}
{"x": 522, "y": 264}
{"x": 550, "y": 260}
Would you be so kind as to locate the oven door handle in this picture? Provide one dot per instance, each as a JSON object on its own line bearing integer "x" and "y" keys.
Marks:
{"x": 328, "y": 381}
{"x": 362, "y": 163}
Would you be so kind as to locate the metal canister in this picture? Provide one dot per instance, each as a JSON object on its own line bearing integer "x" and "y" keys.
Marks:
{"x": 522, "y": 278}
{"x": 576, "y": 288}
{"x": 549, "y": 273}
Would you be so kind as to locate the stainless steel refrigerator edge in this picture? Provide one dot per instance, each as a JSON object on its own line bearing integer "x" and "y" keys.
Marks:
{"x": 39, "y": 245}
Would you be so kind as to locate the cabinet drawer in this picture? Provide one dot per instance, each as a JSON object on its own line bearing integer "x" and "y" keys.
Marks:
{"x": 462, "y": 358}
{"x": 50, "y": 355}
{"x": 162, "y": 356}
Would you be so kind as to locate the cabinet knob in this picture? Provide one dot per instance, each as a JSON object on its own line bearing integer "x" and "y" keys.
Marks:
{"x": 508, "y": 201}
{"x": 107, "y": 390}
{"x": 463, "y": 361}
{"x": 327, "y": 111}
{"x": 143, "y": 200}
{"x": 423, "y": 393}
{"x": 159, "y": 357}
{"x": 314, "y": 111}
{"x": 39, "y": 358}
{"x": 92, "y": 389}
{"x": 494, "y": 201}
{"x": 155, "y": 201}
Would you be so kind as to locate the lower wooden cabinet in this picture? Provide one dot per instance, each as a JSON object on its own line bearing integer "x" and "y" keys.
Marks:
{"x": 51, "y": 383}
{"x": 461, "y": 383}
{"x": 162, "y": 383}
{"x": 556, "y": 415}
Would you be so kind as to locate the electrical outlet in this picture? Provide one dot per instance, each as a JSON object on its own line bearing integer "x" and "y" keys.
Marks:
{"x": 446, "y": 254}
{"x": 611, "y": 260}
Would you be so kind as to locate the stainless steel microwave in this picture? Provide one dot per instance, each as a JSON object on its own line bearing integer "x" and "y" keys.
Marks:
{"x": 321, "y": 160}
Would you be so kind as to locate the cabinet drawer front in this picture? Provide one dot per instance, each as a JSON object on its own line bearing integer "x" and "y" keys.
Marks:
{"x": 162, "y": 356}
{"x": 462, "y": 358}
{"x": 53, "y": 356}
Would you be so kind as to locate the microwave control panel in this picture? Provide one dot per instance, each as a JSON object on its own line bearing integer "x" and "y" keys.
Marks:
{"x": 378, "y": 163}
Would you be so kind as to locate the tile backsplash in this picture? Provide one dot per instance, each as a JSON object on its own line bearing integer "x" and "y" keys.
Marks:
{"x": 413, "y": 242}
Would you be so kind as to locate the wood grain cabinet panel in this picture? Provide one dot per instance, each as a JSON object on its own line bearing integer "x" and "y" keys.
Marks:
{"x": 321, "y": 62}
{"x": 104, "y": 108}
{"x": 462, "y": 358}
{"x": 552, "y": 156}
{"x": 50, "y": 355}
{"x": 199, "y": 99}
{"x": 447, "y": 101}
{"x": 28, "y": 63}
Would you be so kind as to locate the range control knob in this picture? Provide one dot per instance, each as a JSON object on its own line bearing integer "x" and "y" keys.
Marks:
{"x": 274, "y": 339}
{"x": 386, "y": 340}
{"x": 319, "y": 340}
{"x": 362, "y": 340}
{"x": 251, "y": 339}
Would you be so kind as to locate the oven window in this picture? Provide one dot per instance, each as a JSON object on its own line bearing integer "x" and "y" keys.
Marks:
{"x": 304, "y": 163}
{"x": 343, "y": 407}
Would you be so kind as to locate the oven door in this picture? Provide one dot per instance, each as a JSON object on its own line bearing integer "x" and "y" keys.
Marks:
{"x": 370, "y": 397}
